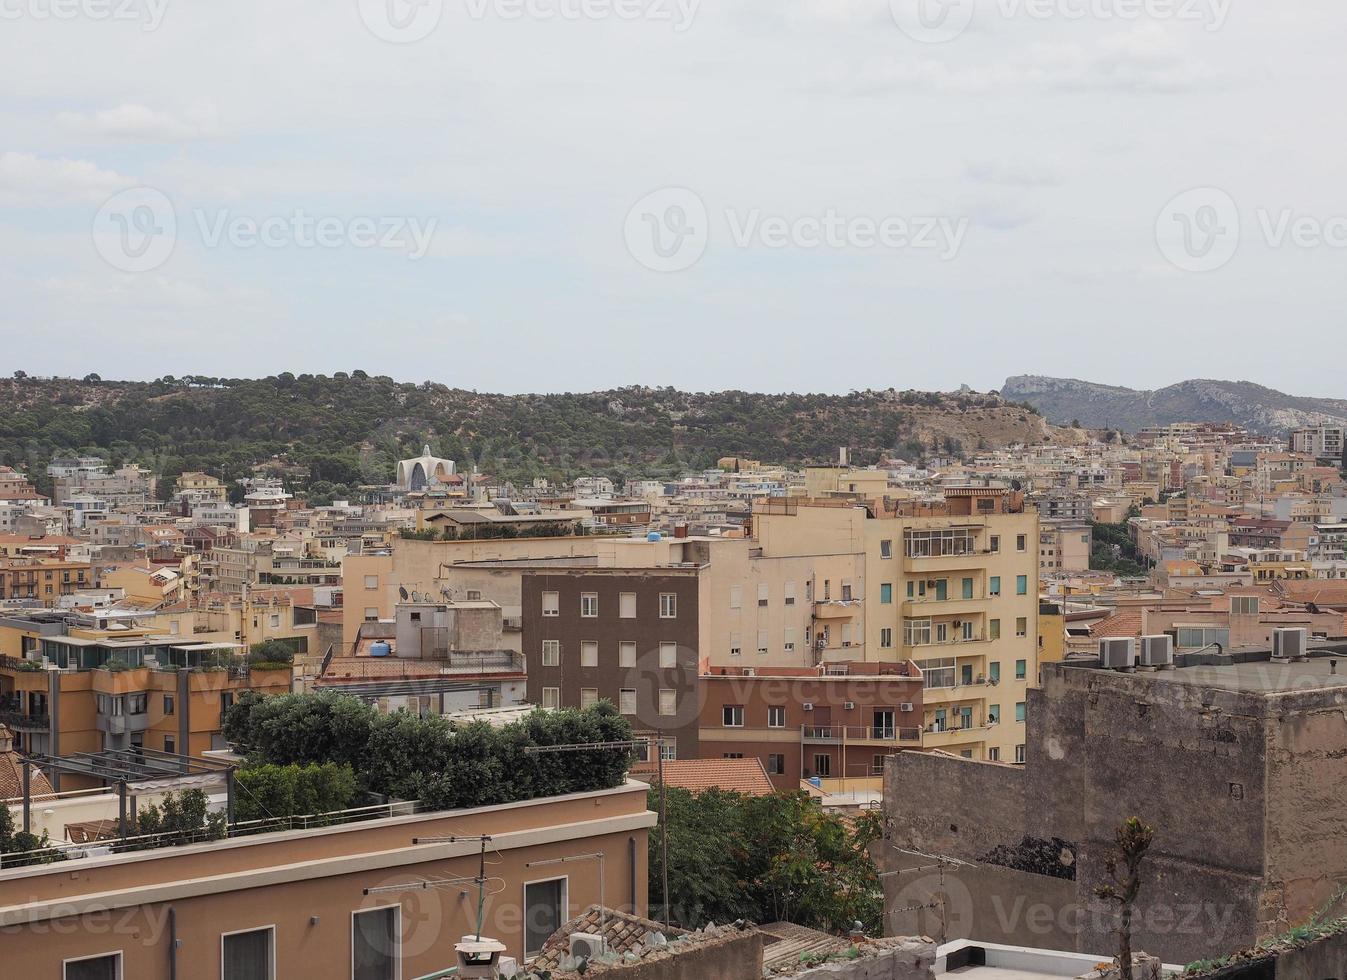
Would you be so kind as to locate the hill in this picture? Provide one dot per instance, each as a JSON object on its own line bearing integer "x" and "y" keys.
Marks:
{"x": 349, "y": 429}
{"x": 1097, "y": 406}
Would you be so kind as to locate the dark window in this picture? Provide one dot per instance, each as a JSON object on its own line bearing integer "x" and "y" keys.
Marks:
{"x": 97, "y": 968}
{"x": 374, "y": 944}
{"x": 247, "y": 955}
{"x": 544, "y": 913}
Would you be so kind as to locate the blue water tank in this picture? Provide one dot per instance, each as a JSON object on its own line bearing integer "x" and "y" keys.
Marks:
{"x": 654, "y": 536}
{"x": 380, "y": 648}
{"x": 815, "y": 782}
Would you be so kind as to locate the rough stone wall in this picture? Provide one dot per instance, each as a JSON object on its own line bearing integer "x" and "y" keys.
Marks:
{"x": 1307, "y": 794}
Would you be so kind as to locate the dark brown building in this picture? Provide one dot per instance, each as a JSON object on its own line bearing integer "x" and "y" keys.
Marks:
{"x": 628, "y": 636}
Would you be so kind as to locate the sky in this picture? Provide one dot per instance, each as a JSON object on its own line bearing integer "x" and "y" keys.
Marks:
{"x": 568, "y": 195}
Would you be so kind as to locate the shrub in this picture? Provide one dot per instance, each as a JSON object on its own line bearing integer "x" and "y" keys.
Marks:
{"x": 287, "y": 791}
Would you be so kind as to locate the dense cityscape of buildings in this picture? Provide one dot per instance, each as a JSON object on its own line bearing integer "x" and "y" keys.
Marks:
{"x": 918, "y": 639}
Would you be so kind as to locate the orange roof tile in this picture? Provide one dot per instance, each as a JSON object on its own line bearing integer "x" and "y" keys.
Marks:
{"x": 745, "y": 776}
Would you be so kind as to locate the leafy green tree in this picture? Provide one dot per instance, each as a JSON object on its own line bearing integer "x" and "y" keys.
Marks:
{"x": 181, "y": 818}
{"x": 285, "y": 791}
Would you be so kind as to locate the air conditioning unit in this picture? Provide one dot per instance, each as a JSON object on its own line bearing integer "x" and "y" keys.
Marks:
{"x": 905, "y": 706}
{"x": 1290, "y": 644}
{"x": 587, "y": 945}
{"x": 809, "y": 706}
{"x": 749, "y": 672}
{"x": 1157, "y": 651}
{"x": 851, "y": 706}
{"x": 1118, "y": 653}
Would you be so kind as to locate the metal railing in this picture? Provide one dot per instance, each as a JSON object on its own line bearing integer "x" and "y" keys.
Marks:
{"x": 859, "y": 733}
{"x": 25, "y": 720}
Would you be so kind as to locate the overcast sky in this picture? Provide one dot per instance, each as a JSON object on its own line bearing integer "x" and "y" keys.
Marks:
{"x": 537, "y": 195}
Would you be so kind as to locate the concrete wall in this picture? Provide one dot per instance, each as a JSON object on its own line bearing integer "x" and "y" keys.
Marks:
{"x": 737, "y": 956}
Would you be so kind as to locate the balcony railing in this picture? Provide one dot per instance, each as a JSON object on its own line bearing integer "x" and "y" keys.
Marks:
{"x": 25, "y": 721}
{"x": 859, "y": 733}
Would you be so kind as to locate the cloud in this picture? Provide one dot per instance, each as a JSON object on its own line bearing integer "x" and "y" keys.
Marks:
{"x": 135, "y": 123}
{"x": 1010, "y": 174}
{"x": 26, "y": 179}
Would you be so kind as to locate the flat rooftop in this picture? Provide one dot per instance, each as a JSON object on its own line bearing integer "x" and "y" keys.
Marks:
{"x": 1253, "y": 671}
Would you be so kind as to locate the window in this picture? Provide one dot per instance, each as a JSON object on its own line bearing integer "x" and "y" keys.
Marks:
{"x": 776, "y": 716}
{"x": 886, "y": 638}
{"x": 375, "y": 941}
{"x": 776, "y": 764}
{"x": 168, "y": 704}
{"x": 136, "y": 704}
{"x": 846, "y": 634}
{"x": 846, "y": 590}
{"x": 936, "y": 544}
{"x": 916, "y": 632}
{"x": 248, "y": 955}
{"x": 551, "y": 653}
{"x": 731, "y": 755}
{"x": 552, "y": 698}
{"x": 668, "y": 750}
{"x": 762, "y": 641}
{"x": 764, "y": 594}
{"x": 1244, "y": 605}
{"x": 994, "y": 629}
{"x": 275, "y": 621}
{"x": 544, "y": 913}
{"x": 994, "y": 544}
{"x": 226, "y": 701}
{"x": 589, "y": 696}
{"x": 886, "y": 593}
{"x": 170, "y": 744}
{"x": 668, "y": 656}
{"x": 626, "y": 605}
{"x": 788, "y": 639}
{"x": 626, "y": 699}
{"x": 994, "y": 670}
{"x": 1191, "y": 637}
{"x": 993, "y": 713}
{"x": 1019, "y": 753}
{"x": 967, "y": 592}
{"x": 1021, "y": 626}
{"x": 788, "y": 590}
{"x": 938, "y": 672}
{"x": 1021, "y": 584}
{"x": 993, "y": 754}
{"x": 994, "y": 585}
{"x": 736, "y": 644}
{"x": 108, "y": 966}
{"x": 823, "y": 765}
{"x": 1019, "y": 711}
{"x": 626, "y": 654}
{"x": 589, "y": 605}
{"x": 886, "y": 549}
{"x": 1020, "y": 668}
{"x": 732, "y": 716}
{"x": 1021, "y": 542}
{"x": 668, "y": 701}
{"x": 371, "y": 581}
{"x": 736, "y": 596}
{"x": 551, "y": 604}
{"x": 668, "y": 605}
{"x": 371, "y": 614}
{"x": 589, "y": 653}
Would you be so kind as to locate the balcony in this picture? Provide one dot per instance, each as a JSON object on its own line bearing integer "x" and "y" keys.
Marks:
{"x": 836, "y": 608}
{"x": 951, "y": 737}
{"x": 938, "y": 563}
{"x": 943, "y": 645}
{"x": 975, "y": 691}
{"x": 922, "y": 608}
{"x": 23, "y": 721}
{"x": 859, "y": 734}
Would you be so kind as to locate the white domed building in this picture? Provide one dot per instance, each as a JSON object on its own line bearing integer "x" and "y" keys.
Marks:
{"x": 423, "y": 472}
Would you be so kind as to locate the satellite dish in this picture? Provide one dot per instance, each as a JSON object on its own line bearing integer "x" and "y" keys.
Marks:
{"x": 402, "y": 592}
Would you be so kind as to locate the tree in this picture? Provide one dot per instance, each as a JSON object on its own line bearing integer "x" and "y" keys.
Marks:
{"x": 180, "y": 819}
{"x": 1130, "y": 844}
{"x": 286, "y": 791}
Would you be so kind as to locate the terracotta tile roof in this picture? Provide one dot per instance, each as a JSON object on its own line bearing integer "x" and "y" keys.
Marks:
{"x": 11, "y": 774}
{"x": 624, "y": 932}
{"x": 1320, "y": 592}
{"x": 745, "y": 776}
{"x": 785, "y": 943}
{"x": 1125, "y": 623}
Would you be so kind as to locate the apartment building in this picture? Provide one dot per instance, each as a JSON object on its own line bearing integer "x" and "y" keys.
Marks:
{"x": 1322, "y": 442}
{"x": 951, "y": 584}
{"x": 833, "y": 723}
{"x": 43, "y": 581}
{"x": 627, "y": 635}
{"x": 330, "y": 901}
{"x": 85, "y": 682}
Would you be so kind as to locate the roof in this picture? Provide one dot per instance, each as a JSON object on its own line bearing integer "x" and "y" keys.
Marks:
{"x": 623, "y": 932}
{"x": 786, "y": 943}
{"x": 1125, "y": 623}
{"x": 11, "y": 773}
{"x": 747, "y": 776}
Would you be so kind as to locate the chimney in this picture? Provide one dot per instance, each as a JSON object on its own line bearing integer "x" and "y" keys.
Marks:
{"x": 843, "y": 456}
